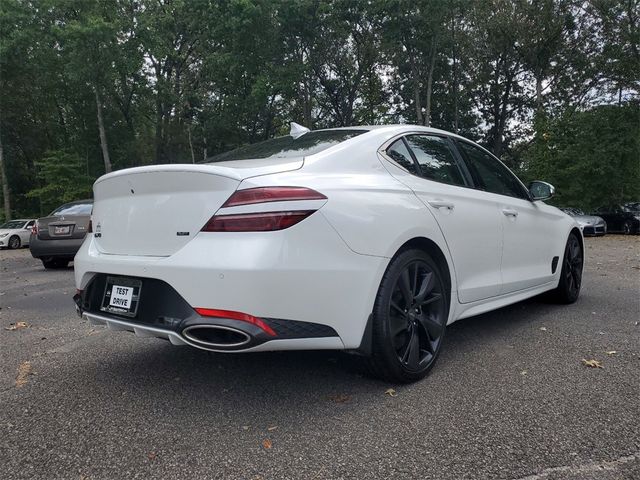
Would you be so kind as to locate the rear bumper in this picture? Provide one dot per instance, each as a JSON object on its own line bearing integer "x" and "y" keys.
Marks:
{"x": 163, "y": 312}
{"x": 325, "y": 343}
{"x": 305, "y": 273}
{"x": 60, "y": 248}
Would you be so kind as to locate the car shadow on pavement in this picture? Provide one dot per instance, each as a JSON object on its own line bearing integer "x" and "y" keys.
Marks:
{"x": 294, "y": 381}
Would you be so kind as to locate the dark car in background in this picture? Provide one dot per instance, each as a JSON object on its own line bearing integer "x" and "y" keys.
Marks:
{"x": 621, "y": 218}
{"x": 55, "y": 239}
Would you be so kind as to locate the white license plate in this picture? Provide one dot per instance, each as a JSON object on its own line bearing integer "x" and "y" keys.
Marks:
{"x": 121, "y": 296}
{"x": 61, "y": 230}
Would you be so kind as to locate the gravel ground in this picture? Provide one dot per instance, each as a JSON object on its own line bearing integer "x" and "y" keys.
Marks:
{"x": 509, "y": 398}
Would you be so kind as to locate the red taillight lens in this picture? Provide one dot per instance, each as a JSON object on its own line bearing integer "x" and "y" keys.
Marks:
{"x": 251, "y": 196}
{"x": 34, "y": 229}
{"x": 243, "y": 317}
{"x": 255, "y": 222}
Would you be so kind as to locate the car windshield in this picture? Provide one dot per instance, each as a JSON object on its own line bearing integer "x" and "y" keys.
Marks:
{"x": 12, "y": 225}
{"x": 632, "y": 207}
{"x": 288, "y": 146}
{"x": 73, "y": 209}
{"x": 572, "y": 211}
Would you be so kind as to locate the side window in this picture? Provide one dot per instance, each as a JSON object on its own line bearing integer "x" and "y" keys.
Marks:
{"x": 400, "y": 154}
{"x": 29, "y": 224}
{"x": 493, "y": 176}
{"x": 435, "y": 159}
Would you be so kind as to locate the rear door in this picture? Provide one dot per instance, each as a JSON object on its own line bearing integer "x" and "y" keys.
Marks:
{"x": 469, "y": 219}
{"x": 528, "y": 239}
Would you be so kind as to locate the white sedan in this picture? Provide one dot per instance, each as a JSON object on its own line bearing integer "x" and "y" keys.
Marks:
{"x": 367, "y": 239}
{"x": 16, "y": 233}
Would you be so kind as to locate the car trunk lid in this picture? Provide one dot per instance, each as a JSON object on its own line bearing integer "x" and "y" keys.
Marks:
{"x": 61, "y": 227}
{"x": 156, "y": 210}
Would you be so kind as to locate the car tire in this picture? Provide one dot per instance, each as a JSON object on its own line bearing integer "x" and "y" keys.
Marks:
{"x": 409, "y": 318}
{"x": 568, "y": 289}
{"x": 52, "y": 264}
{"x": 627, "y": 228}
{"x": 14, "y": 242}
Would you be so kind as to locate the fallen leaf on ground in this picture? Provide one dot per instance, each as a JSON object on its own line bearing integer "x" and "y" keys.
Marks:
{"x": 16, "y": 326}
{"x": 611, "y": 352}
{"x": 271, "y": 429}
{"x": 592, "y": 363}
{"x": 266, "y": 443}
{"x": 151, "y": 456}
{"x": 245, "y": 427}
{"x": 24, "y": 370}
{"x": 391, "y": 392}
{"x": 544, "y": 329}
{"x": 340, "y": 398}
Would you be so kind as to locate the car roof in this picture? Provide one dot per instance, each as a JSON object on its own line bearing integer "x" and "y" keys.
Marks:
{"x": 398, "y": 129}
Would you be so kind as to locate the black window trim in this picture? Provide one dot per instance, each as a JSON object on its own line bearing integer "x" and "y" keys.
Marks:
{"x": 478, "y": 183}
{"x": 462, "y": 167}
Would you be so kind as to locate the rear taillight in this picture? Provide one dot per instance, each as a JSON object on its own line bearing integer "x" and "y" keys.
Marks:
{"x": 263, "y": 221}
{"x": 251, "y": 196}
{"x": 255, "y": 222}
{"x": 34, "y": 229}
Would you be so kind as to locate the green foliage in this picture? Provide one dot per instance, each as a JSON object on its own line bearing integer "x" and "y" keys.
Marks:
{"x": 591, "y": 157}
{"x": 181, "y": 80}
{"x": 63, "y": 178}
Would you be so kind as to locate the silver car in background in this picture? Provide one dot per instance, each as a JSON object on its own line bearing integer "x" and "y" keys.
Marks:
{"x": 55, "y": 239}
{"x": 591, "y": 225}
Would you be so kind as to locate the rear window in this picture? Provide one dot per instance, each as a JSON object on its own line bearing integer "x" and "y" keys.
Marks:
{"x": 284, "y": 147}
{"x": 73, "y": 209}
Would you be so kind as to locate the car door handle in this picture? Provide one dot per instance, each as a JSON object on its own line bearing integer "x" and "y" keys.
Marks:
{"x": 441, "y": 204}
{"x": 510, "y": 213}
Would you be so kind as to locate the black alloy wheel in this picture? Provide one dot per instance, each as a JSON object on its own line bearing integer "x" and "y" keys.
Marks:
{"x": 14, "y": 242}
{"x": 627, "y": 228}
{"x": 410, "y": 317}
{"x": 570, "y": 282}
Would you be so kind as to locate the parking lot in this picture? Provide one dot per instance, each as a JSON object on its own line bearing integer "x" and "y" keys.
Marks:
{"x": 510, "y": 397}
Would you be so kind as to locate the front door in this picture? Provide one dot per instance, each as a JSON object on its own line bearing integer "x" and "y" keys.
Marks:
{"x": 527, "y": 251}
{"x": 468, "y": 218}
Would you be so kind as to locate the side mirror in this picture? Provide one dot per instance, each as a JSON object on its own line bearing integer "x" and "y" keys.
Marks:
{"x": 541, "y": 190}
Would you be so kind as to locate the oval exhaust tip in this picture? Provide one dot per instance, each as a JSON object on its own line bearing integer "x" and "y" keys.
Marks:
{"x": 216, "y": 336}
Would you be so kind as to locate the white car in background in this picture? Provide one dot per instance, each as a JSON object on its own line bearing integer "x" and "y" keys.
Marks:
{"x": 367, "y": 239}
{"x": 15, "y": 233}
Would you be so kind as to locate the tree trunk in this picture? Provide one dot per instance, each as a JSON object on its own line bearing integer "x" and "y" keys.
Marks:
{"x": 539, "y": 93}
{"x": 416, "y": 89}
{"x": 432, "y": 63}
{"x": 193, "y": 157}
{"x": 5, "y": 186}
{"x": 204, "y": 142}
{"x": 456, "y": 114}
{"x": 103, "y": 134}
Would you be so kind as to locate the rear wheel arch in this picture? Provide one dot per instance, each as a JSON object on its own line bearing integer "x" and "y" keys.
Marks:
{"x": 431, "y": 248}
{"x": 435, "y": 252}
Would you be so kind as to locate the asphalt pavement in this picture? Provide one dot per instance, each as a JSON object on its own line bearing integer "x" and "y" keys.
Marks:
{"x": 510, "y": 397}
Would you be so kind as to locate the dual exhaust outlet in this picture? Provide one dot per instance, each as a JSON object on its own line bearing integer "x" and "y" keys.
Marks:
{"x": 216, "y": 336}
